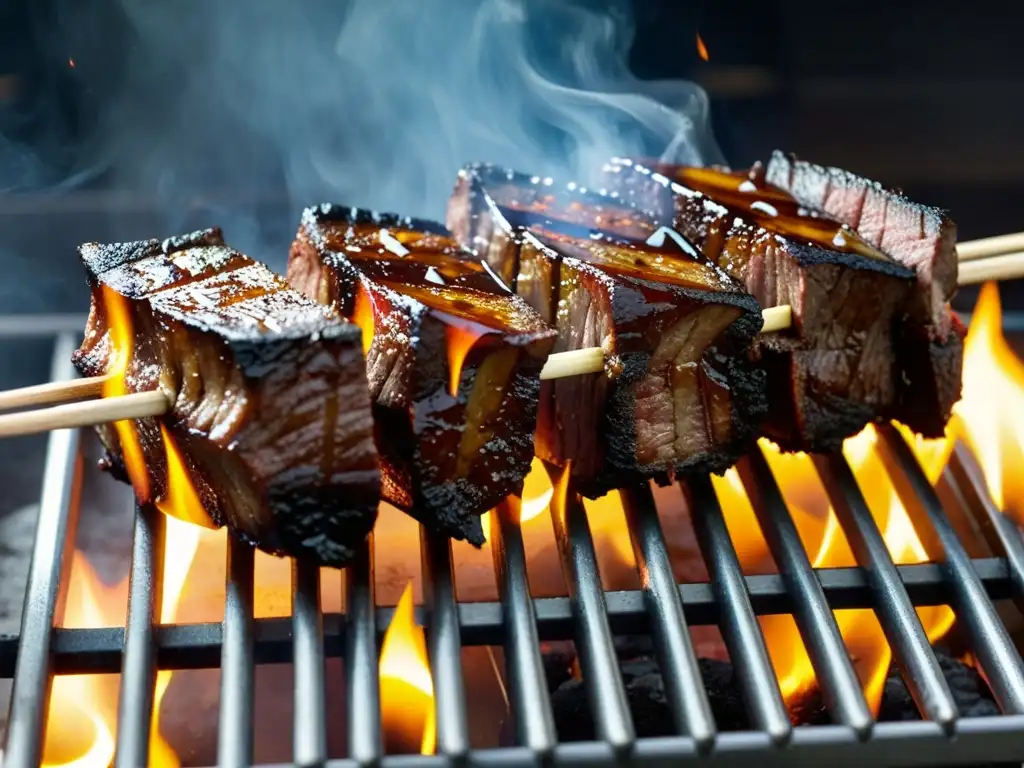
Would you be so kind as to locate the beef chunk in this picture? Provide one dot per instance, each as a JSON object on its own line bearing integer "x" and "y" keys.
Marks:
{"x": 921, "y": 238}
{"x": 453, "y": 359}
{"x": 679, "y": 391}
{"x": 271, "y": 417}
{"x": 849, "y": 355}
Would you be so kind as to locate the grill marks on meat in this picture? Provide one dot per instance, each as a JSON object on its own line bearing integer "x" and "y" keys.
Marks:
{"x": 270, "y": 411}
{"x": 847, "y": 359}
{"x": 453, "y": 359}
{"x": 679, "y": 391}
{"x": 930, "y": 341}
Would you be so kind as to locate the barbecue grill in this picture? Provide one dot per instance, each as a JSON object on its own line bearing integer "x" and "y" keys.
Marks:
{"x": 590, "y": 616}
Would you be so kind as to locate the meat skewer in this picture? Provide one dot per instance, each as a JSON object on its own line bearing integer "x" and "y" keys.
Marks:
{"x": 681, "y": 392}
{"x": 453, "y": 359}
{"x": 268, "y": 431}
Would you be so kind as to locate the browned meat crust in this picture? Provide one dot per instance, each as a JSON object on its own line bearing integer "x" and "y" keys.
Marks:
{"x": 454, "y": 362}
{"x": 850, "y": 357}
{"x": 922, "y": 238}
{"x": 271, "y": 411}
{"x": 680, "y": 391}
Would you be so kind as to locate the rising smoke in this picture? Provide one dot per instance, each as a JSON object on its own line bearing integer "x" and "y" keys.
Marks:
{"x": 369, "y": 102}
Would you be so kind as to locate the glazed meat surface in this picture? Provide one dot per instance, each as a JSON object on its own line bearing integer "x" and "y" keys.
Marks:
{"x": 847, "y": 360}
{"x": 271, "y": 416}
{"x": 679, "y": 391}
{"x": 453, "y": 359}
{"x": 922, "y": 238}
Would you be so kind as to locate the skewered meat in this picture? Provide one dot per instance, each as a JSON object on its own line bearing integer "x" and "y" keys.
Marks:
{"x": 270, "y": 416}
{"x": 850, "y": 357}
{"x": 930, "y": 341}
{"x": 679, "y": 391}
{"x": 453, "y": 359}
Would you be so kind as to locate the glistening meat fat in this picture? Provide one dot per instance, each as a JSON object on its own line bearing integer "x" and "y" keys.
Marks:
{"x": 679, "y": 391}
{"x": 855, "y": 353}
{"x": 453, "y": 359}
{"x": 270, "y": 418}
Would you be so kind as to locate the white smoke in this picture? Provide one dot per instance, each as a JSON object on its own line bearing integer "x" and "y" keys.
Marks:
{"x": 373, "y": 103}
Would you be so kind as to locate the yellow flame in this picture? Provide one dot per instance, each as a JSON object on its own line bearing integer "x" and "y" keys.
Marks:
{"x": 406, "y": 686}
{"x": 990, "y": 415}
{"x": 119, "y": 324}
{"x": 536, "y": 499}
{"x": 181, "y": 500}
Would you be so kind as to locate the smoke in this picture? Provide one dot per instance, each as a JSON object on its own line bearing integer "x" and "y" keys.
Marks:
{"x": 370, "y": 102}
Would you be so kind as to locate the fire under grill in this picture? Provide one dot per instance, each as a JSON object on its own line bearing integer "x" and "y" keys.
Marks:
{"x": 591, "y": 617}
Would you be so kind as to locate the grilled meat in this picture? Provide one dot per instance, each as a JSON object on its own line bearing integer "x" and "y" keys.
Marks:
{"x": 922, "y": 238}
{"x": 453, "y": 359}
{"x": 850, "y": 357}
{"x": 679, "y": 391}
{"x": 270, "y": 416}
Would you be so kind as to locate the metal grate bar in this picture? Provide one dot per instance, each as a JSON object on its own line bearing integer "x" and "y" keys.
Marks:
{"x": 970, "y": 482}
{"x": 594, "y": 646}
{"x": 534, "y": 722}
{"x": 235, "y": 728}
{"x": 363, "y": 703}
{"x": 138, "y": 671}
{"x": 907, "y": 638}
{"x": 309, "y": 732}
{"x": 684, "y": 687}
{"x": 990, "y": 641}
{"x": 743, "y": 637}
{"x": 444, "y": 645}
{"x": 58, "y": 512}
{"x": 837, "y": 680}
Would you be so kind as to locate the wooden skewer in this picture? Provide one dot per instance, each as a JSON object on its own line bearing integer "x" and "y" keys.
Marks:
{"x": 1005, "y": 267}
{"x": 988, "y": 247}
{"x": 54, "y": 392}
{"x": 981, "y": 261}
{"x": 88, "y": 414}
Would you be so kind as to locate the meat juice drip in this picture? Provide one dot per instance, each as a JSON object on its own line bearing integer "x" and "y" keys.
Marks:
{"x": 773, "y": 208}
{"x": 119, "y": 325}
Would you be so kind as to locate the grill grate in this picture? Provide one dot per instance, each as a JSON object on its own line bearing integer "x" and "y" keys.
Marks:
{"x": 589, "y": 616}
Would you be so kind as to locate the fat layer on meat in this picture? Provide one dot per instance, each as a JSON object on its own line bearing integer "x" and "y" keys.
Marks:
{"x": 270, "y": 406}
{"x": 453, "y": 356}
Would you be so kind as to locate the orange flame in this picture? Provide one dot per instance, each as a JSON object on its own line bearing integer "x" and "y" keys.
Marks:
{"x": 537, "y": 493}
{"x": 119, "y": 322}
{"x": 702, "y": 50}
{"x": 406, "y": 686}
{"x": 460, "y": 337}
{"x": 827, "y": 547}
{"x": 990, "y": 416}
{"x": 182, "y": 500}
{"x": 82, "y": 717}
{"x": 363, "y": 316}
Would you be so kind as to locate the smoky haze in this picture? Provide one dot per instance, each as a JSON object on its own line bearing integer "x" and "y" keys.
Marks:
{"x": 367, "y": 102}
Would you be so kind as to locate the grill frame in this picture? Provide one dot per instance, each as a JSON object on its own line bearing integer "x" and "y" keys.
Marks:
{"x": 589, "y": 615}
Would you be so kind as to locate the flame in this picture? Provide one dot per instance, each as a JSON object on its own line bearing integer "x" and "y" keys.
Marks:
{"x": 182, "y": 500}
{"x": 363, "y": 316}
{"x": 702, "y": 50}
{"x": 827, "y": 547}
{"x": 119, "y": 322}
{"x": 990, "y": 416}
{"x": 83, "y": 705}
{"x": 460, "y": 336}
{"x": 406, "y": 687}
{"x": 536, "y": 498}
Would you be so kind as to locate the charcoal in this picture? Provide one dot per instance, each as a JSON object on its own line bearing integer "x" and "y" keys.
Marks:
{"x": 970, "y": 692}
